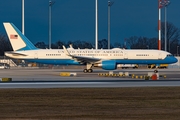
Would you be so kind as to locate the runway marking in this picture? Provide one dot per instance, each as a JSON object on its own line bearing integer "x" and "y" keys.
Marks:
{"x": 89, "y": 84}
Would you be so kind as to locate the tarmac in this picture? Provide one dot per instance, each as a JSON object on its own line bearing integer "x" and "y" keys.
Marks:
{"x": 50, "y": 78}
{"x": 30, "y": 74}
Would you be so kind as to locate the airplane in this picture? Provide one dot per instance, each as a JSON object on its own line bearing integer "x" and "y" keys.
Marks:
{"x": 107, "y": 59}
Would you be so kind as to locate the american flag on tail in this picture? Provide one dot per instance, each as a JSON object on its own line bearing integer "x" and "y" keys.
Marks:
{"x": 13, "y": 36}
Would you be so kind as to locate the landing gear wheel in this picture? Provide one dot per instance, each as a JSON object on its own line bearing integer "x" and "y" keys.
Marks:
{"x": 90, "y": 70}
{"x": 85, "y": 70}
{"x": 155, "y": 71}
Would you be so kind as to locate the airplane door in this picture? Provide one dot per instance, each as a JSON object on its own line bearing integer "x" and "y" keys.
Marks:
{"x": 160, "y": 56}
{"x": 36, "y": 55}
{"x": 125, "y": 55}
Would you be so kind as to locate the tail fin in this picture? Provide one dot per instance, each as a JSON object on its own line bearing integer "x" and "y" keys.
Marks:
{"x": 17, "y": 39}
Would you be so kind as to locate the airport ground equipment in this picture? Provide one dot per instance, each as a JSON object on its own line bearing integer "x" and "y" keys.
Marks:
{"x": 67, "y": 74}
{"x": 125, "y": 66}
{"x": 5, "y": 79}
{"x": 10, "y": 62}
{"x": 148, "y": 76}
{"x": 152, "y": 66}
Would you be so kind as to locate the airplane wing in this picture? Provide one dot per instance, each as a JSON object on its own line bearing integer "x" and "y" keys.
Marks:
{"x": 81, "y": 59}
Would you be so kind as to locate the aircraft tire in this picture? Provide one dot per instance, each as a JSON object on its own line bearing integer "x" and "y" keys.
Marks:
{"x": 85, "y": 70}
{"x": 155, "y": 71}
{"x": 90, "y": 70}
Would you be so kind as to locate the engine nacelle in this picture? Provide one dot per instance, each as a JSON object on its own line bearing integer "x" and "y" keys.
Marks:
{"x": 107, "y": 65}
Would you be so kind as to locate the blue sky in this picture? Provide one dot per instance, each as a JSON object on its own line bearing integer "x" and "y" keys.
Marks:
{"x": 75, "y": 19}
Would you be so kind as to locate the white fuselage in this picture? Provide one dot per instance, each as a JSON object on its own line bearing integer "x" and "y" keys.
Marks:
{"x": 102, "y": 54}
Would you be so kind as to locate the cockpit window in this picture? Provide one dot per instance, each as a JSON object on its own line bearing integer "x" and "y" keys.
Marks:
{"x": 169, "y": 55}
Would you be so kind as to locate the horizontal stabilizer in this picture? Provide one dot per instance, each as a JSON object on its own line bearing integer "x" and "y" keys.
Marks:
{"x": 15, "y": 54}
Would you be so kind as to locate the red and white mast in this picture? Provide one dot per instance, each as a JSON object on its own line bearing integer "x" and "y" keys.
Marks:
{"x": 159, "y": 24}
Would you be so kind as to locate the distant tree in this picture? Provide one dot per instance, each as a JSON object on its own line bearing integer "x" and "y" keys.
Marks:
{"x": 173, "y": 36}
{"x": 54, "y": 46}
{"x": 117, "y": 45}
{"x": 4, "y": 44}
{"x": 103, "y": 44}
{"x": 80, "y": 44}
{"x": 60, "y": 43}
{"x": 152, "y": 43}
{"x": 87, "y": 45}
{"x": 142, "y": 42}
{"x": 41, "y": 45}
{"x": 70, "y": 43}
{"x": 132, "y": 42}
{"x": 77, "y": 44}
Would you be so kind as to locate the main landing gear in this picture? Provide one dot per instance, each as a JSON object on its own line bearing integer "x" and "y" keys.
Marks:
{"x": 88, "y": 70}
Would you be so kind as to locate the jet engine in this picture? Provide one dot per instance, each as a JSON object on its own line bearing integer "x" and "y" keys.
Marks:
{"x": 107, "y": 65}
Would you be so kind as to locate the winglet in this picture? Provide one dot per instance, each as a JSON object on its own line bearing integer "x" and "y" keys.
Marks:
{"x": 66, "y": 51}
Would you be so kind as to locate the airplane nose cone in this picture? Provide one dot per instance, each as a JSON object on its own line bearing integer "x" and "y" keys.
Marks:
{"x": 175, "y": 60}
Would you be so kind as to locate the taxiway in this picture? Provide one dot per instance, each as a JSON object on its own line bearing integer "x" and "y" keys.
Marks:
{"x": 50, "y": 78}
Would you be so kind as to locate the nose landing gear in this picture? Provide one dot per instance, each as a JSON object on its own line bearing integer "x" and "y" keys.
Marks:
{"x": 155, "y": 71}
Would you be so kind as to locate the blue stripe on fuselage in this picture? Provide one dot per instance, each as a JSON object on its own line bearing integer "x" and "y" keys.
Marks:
{"x": 55, "y": 61}
{"x": 167, "y": 60}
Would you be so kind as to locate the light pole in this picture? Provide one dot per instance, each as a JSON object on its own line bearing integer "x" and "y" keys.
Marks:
{"x": 50, "y": 5}
{"x": 23, "y": 17}
{"x": 177, "y": 50}
{"x": 165, "y": 12}
{"x": 165, "y": 4}
{"x": 96, "y": 26}
{"x": 109, "y": 27}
